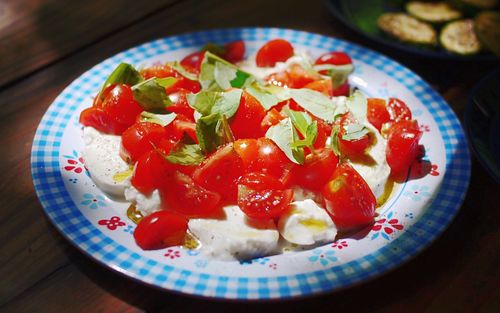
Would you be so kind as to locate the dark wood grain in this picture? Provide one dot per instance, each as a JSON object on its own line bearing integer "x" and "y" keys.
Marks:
{"x": 41, "y": 272}
{"x": 36, "y": 33}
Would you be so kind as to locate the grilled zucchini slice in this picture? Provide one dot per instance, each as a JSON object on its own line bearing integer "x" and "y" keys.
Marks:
{"x": 407, "y": 28}
{"x": 487, "y": 27}
{"x": 433, "y": 12}
{"x": 459, "y": 37}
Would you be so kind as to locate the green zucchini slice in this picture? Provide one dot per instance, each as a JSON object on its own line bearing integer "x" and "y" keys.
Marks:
{"x": 407, "y": 28}
{"x": 459, "y": 37}
{"x": 487, "y": 27}
{"x": 433, "y": 12}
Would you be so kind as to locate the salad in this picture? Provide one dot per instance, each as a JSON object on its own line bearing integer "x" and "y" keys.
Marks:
{"x": 246, "y": 158}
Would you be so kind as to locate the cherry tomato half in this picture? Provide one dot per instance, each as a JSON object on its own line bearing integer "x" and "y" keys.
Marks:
{"x": 377, "y": 112}
{"x": 247, "y": 120}
{"x": 276, "y": 50}
{"x": 317, "y": 169}
{"x": 99, "y": 119}
{"x": 334, "y": 58}
{"x": 141, "y": 138}
{"x": 355, "y": 147}
{"x": 160, "y": 230}
{"x": 398, "y": 110}
{"x": 192, "y": 62}
{"x": 349, "y": 199}
{"x": 234, "y": 51}
{"x": 402, "y": 146}
{"x": 265, "y": 204}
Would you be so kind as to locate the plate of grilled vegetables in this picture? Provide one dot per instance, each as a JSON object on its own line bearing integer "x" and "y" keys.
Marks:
{"x": 453, "y": 29}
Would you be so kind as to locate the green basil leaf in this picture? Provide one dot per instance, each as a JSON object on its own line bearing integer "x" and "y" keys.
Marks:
{"x": 283, "y": 134}
{"x": 208, "y": 102}
{"x": 213, "y": 131}
{"x": 214, "y": 48}
{"x": 185, "y": 155}
{"x": 124, "y": 73}
{"x": 301, "y": 120}
{"x": 338, "y": 73}
{"x": 151, "y": 95}
{"x": 312, "y": 133}
{"x": 161, "y": 119}
{"x": 265, "y": 97}
{"x": 166, "y": 81}
{"x": 315, "y": 102}
{"x": 358, "y": 105}
{"x": 334, "y": 140}
{"x": 224, "y": 74}
{"x": 354, "y": 132}
{"x": 179, "y": 68}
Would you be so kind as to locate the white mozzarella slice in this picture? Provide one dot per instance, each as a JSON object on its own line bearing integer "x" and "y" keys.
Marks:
{"x": 146, "y": 204}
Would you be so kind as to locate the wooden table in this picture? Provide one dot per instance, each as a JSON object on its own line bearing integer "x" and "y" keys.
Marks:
{"x": 46, "y": 44}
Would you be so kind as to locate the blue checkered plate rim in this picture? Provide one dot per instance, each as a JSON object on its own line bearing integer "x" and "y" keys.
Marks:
{"x": 418, "y": 211}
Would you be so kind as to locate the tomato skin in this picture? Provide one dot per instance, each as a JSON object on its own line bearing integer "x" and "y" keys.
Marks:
{"x": 276, "y": 50}
{"x": 349, "y": 199}
{"x": 185, "y": 196}
{"x": 163, "y": 71}
{"x": 181, "y": 106}
{"x": 192, "y": 62}
{"x": 160, "y": 230}
{"x": 377, "y": 112}
{"x": 265, "y": 204}
{"x": 99, "y": 119}
{"x": 142, "y": 137}
{"x": 220, "y": 172}
{"x": 272, "y": 118}
{"x": 324, "y": 86}
{"x": 143, "y": 178}
{"x": 235, "y": 51}
{"x": 398, "y": 110}
{"x": 342, "y": 90}
{"x": 299, "y": 77}
{"x": 119, "y": 103}
{"x": 324, "y": 131}
{"x": 258, "y": 181}
{"x": 352, "y": 148}
{"x": 402, "y": 146}
{"x": 247, "y": 120}
{"x": 280, "y": 79}
{"x": 317, "y": 169}
{"x": 334, "y": 58}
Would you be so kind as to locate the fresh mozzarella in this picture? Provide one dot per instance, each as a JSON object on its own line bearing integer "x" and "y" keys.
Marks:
{"x": 146, "y": 204}
{"x": 376, "y": 174}
{"x": 306, "y": 223}
{"x": 235, "y": 237}
{"x": 101, "y": 155}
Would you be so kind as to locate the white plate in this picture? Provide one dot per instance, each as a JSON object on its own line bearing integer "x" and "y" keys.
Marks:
{"x": 417, "y": 213}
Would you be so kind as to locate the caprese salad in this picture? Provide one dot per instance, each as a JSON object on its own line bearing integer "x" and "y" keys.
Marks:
{"x": 246, "y": 158}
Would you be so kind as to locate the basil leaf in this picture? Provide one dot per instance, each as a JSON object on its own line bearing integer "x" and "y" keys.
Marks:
{"x": 213, "y": 131}
{"x": 312, "y": 133}
{"x": 161, "y": 119}
{"x": 209, "y": 102}
{"x": 338, "y": 73}
{"x": 283, "y": 134}
{"x": 151, "y": 95}
{"x": 354, "y": 132}
{"x": 300, "y": 120}
{"x": 185, "y": 155}
{"x": 179, "y": 68}
{"x": 334, "y": 140}
{"x": 224, "y": 74}
{"x": 315, "y": 102}
{"x": 124, "y": 73}
{"x": 166, "y": 81}
{"x": 358, "y": 105}
{"x": 265, "y": 97}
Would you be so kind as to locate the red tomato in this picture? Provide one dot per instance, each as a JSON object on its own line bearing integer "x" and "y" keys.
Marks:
{"x": 281, "y": 79}
{"x": 220, "y": 172}
{"x": 160, "y": 230}
{"x": 342, "y": 90}
{"x": 317, "y": 169}
{"x": 324, "y": 131}
{"x": 246, "y": 122}
{"x": 182, "y": 124}
{"x": 324, "y": 86}
{"x": 377, "y": 112}
{"x": 143, "y": 178}
{"x": 192, "y": 62}
{"x": 398, "y": 110}
{"x": 141, "y": 138}
{"x": 272, "y": 117}
{"x": 265, "y": 204}
{"x": 181, "y": 106}
{"x": 185, "y": 196}
{"x": 352, "y": 148}
{"x": 101, "y": 120}
{"x": 299, "y": 77}
{"x": 334, "y": 58}
{"x": 119, "y": 103}
{"x": 159, "y": 71}
{"x": 258, "y": 181}
{"x": 402, "y": 146}
{"x": 277, "y": 50}
{"x": 349, "y": 199}
{"x": 184, "y": 83}
{"x": 235, "y": 51}
{"x": 248, "y": 150}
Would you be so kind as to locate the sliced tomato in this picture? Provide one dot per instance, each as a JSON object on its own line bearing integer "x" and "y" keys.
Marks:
{"x": 180, "y": 105}
{"x": 272, "y": 118}
{"x": 258, "y": 181}
{"x": 247, "y": 120}
{"x": 220, "y": 172}
{"x": 159, "y": 71}
{"x": 163, "y": 70}
{"x": 334, "y": 58}
{"x": 234, "y": 51}
{"x": 299, "y": 77}
{"x": 317, "y": 169}
{"x": 143, "y": 178}
{"x": 402, "y": 146}
{"x": 398, "y": 110}
{"x": 352, "y": 148}
{"x": 342, "y": 90}
{"x": 99, "y": 119}
{"x": 324, "y": 86}
{"x": 160, "y": 230}
{"x": 185, "y": 196}
{"x": 141, "y": 138}
{"x": 324, "y": 131}
{"x": 120, "y": 104}
{"x": 280, "y": 79}
{"x": 349, "y": 199}
{"x": 265, "y": 204}
{"x": 180, "y": 126}
{"x": 377, "y": 112}
{"x": 276, "y": 50}
{"x": 192, "y": 62}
